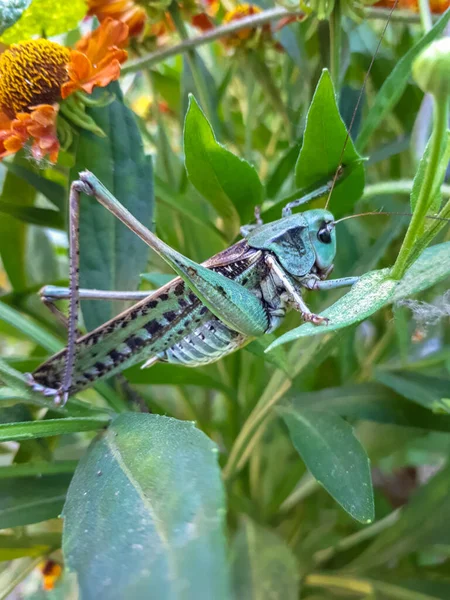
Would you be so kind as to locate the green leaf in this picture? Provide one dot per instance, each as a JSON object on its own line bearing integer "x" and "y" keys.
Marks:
{"x": 263, "y": 566}
{"x": 229, "y": 183}
{"x": 50, "y": 427}
{"x": 321, "y": 153}
{"x": 13, "y": 232}
{"x": 367, "y": 296}
{"x": 373, "y": 291}
{"x": 424, "y": 520}
{"x": 29, "y": 328}
{"x": 432, "y": 266}
{"x": 278, "y": 357}
{"x": 37, "y": 468}
{"x": 160, "y": 533}
{"x": 28, "y": 500}
{"x": 162, "y": 373}
{"x": 10, "y": 12}
{"x": 431, "y": 392}
{"x": 282, "y": 171}
{"x": 112, "y": 256}
{"x": 50, "y": 189}
{"x": 32, "y": 214}
{"x": 396, "y": 82}
{"x": 45, "y": 18}
{"x": 15, "y": 546}
{"x": 372, "y": 402}
{"x": 334, "y": 457}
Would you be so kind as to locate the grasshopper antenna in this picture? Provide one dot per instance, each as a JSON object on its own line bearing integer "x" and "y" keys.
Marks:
{"x": 380, "y": 212}
{"x": 358, "y": 102}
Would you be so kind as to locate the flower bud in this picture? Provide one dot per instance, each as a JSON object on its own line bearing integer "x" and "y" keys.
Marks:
{"x": 431, "y": 69}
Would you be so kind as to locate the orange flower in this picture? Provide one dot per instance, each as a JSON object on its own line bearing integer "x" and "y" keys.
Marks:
{"x": 96, "y": 60}
{"x": 203, "y": 20}
{"x": 244, "y": 36}
{"x": 121, "y": 10}
{"x": 436, "y": 6}
{"x": 51, "y": 572}
{"x": 36, "y": 74}
{"x": 38, "y": 125}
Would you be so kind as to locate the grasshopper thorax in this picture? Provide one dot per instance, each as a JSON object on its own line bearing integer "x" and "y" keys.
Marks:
{"x": 302, "y": 243}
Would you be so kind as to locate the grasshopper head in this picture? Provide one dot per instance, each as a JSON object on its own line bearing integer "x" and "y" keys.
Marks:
{"x": 323, "y": 238}
{"x": 302, "y": 243}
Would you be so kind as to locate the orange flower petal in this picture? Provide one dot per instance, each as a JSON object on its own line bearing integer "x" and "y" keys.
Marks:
{"x": 110, "y": 33}
{"x": 10, "y": 140}
{"x": 122, "y": 10}
{"x": 96, "y": 62}
{"x": 40, "y": 126}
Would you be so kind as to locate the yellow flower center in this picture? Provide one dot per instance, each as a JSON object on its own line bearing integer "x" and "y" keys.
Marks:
{"x": 32, "y": 73}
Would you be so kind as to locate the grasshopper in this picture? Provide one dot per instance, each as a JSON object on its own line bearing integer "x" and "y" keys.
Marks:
{"x": 208, "y": 311}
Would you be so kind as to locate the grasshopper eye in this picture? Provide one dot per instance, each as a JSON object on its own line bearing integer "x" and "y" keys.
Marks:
{"x": 324, "y": 235}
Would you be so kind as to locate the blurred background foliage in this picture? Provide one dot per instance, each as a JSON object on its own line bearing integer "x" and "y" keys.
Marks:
{"x": 382, "y": 387}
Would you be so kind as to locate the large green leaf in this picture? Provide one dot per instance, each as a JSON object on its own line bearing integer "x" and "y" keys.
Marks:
{"x": 26, "y": 500}
{"x": 374, "y": 290}
{"x": 228, "y": 182}
{"x": 11, "y": 11}
{"x": 263, "y": 566}
{"x": 431, "y": 392}
{"x": 396, "y": 82}
{"x": 112, "y": 256}
{"x": 145, "y": 513}
{"x": 18, "y": 192}
{"x": 367, "y": 296}
{"x": 53, "y": 191}
{"x": 425, "y": 520}
{"x": 321, "y": 153}
{"x": 334, "y": 457}
{"x": 44, "y": 17}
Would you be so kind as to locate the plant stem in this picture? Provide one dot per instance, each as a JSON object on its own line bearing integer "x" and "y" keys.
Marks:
{"x": 335, "y": 46}
{"x": 324, "y": 555}
{"x": 266, "y": 16}
{"x": 364, "y": 587}
{"x": 425, "y": 15}
{"x": 402, "y": 186}
{"x": 280, "y": 383}
{"x": 164, "y": 145}
{"x": 425, "y": 195}
{"x": 306, "y": 486}
{"x": 192, "y": 59}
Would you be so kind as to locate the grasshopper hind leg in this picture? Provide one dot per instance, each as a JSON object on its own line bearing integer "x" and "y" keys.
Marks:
{"x": 48, "y": 392}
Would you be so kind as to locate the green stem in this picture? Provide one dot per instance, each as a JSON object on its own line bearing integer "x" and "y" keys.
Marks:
{"x": 197, "y": 75}
{"x": 317, "y": 350}
{"x": 430, "y": 233}
{"x": 306, "y": 486}
{"x": 367, "y": 533}
{"x": 250, "y": 118}
{"x": 335, "y": 45}
{"x": 402, "y": 186}
{"x": 164, "y": 144}
{"x": 425, "y": 15}
{"x": 425, "y": 195}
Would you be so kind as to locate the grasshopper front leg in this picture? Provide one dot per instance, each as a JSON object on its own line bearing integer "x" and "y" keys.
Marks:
{"x": 294, "y": 296}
